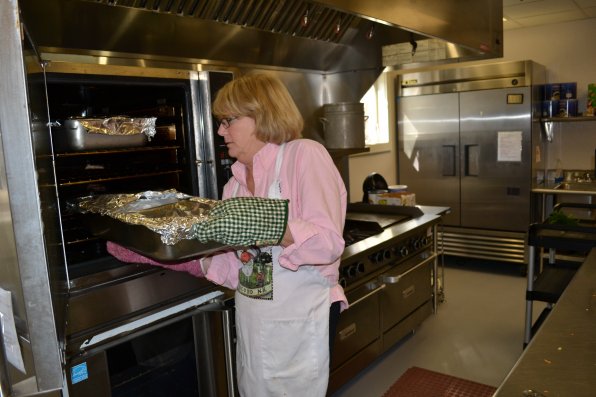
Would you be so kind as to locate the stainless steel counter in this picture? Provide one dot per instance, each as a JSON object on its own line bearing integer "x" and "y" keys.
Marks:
{"x": 548, "y": 193}
{"x": 432, "y": 210}
{"x": 560, "y": 361}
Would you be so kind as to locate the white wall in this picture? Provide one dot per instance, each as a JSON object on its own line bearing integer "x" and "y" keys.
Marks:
{"x": 568, "y": 53}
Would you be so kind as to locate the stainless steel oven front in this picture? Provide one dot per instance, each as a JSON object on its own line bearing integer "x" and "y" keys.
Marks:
{"x": 358, "y": 339}
{"x": 406, "y": 299}
{"x": 187, "y": 353}
{"x": 390, "y": 291}
{"x": 113, "y": 319}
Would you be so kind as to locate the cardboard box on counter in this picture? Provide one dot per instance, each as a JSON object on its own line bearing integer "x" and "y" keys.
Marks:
{"x": 392, "y": 198}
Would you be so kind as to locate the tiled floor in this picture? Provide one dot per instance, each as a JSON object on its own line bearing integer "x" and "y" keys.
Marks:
{"x": 477, "y": 333}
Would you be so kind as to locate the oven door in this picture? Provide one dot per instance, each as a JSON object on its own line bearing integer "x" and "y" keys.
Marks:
{"x": 407, "y": 299}
{"x": 187, "y": 355}
{"x": 358, "y": 338}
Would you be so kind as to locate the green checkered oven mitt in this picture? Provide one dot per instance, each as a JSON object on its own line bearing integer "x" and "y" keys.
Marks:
{"x": 245, "y": 221}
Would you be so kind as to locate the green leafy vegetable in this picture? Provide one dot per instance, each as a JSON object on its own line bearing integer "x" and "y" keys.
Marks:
{"x": 560, "y": 218}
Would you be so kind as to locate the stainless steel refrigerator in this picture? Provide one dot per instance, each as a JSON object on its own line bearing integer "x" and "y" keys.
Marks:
{"x": 469, "y": 139}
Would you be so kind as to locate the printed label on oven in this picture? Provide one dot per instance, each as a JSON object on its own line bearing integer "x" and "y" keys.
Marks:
{"x": 79, "y": 373}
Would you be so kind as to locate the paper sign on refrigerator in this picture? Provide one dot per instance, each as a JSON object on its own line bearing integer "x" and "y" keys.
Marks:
{"x": 509, "y": 146}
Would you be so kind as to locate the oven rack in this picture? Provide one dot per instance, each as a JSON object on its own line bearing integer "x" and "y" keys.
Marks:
{"x": 118, "y": 178}
{"x": 115, "y": 151}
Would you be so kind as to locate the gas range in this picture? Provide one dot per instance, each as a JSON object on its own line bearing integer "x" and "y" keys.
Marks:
{"x": 388, "y": 272}
{"x": 378, "y": 237}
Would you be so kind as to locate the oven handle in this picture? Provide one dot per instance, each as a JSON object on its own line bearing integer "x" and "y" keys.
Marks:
{"x": 395, "y": 279}
{"x": 368, "y": 295}
{"x": 150, "y": 320}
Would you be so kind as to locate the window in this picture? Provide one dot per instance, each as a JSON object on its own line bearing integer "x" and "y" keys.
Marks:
{"x": 376, "y": 110}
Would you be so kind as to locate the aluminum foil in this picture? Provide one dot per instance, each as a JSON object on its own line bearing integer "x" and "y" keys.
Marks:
{"x": 120, "y": 125}
{"x": 169, "y": 213}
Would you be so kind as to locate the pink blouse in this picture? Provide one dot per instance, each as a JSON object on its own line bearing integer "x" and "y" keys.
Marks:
{"x": 318, "y": 200}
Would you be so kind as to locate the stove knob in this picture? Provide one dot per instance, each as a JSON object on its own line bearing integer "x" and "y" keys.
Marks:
{"x": 425, "y": 240}
{"x": 352, "y": 271}
{"x": 386, "y": 254}
{"x": 344, "y": 271}
{"x": 360, "y": 267}
{"x": 377, "y": 257}
{"x": 403, "y": 251}
{"x": 343, "y": 282}
{"x": 417, "y": 243}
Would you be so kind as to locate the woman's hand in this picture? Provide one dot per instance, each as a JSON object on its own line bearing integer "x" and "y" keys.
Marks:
{"x": 245, "y": 221}
{"x": 205, "y": 263}
{"x": 287, "y": 239}
{"x": 123, "y": 254}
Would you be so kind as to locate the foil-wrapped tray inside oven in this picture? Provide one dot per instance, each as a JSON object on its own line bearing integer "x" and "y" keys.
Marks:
{"x": 107, "y": 133}
{"x": 154, "y": 224}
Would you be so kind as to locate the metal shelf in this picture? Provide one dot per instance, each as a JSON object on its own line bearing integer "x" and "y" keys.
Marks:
{"x": 568, "y": 119}
{"x": 547, "y": 123}
{"x": 118, "y": 178}
{"x": 117, "y": 150}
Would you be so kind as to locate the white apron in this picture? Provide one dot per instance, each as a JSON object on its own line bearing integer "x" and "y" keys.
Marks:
{"x": 283, "y": 334}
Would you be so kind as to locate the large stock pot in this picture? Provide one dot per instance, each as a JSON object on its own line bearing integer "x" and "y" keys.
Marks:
{"x": 343, "y": 125}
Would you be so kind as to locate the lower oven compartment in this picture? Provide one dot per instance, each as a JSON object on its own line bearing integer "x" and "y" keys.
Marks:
{"x": 357, "y": 340}
{"x": 382, "y": 311}
{"x": 187, "y": 355}
{"x": 407, "y": 299}
{"x": 159, "y": 363}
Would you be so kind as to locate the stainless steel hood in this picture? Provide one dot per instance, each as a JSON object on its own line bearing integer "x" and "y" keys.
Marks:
{"x": 474, "y": 25}
{"x": 329, "y": 36}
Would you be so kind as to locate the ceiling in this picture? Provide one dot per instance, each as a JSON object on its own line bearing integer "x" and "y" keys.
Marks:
{"x": 528, "y": 13}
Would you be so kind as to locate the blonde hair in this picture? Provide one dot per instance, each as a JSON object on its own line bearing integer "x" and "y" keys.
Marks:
{"x": 265, "y": 99}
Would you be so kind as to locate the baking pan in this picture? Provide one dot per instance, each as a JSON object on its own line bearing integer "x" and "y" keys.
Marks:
{"x": 146, "y": 242}
{"x": 73, "y": 136}
{"x": 156, "y": 224}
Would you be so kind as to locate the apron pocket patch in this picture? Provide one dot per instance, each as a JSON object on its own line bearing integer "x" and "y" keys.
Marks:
{"x": 290, "y": 349}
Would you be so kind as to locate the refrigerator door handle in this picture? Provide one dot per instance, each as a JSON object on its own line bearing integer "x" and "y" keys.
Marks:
{"x": 448, "y": 160}
{"x": 472, "y": 160}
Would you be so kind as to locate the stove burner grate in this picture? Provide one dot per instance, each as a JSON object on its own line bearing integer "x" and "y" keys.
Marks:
{"x": 356, "y": 230}
{"x": 353, "y": 236}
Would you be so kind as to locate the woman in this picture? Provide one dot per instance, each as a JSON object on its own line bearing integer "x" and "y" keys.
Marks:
{"x": 282, "y": 325}
{"x": 287, "y": 294}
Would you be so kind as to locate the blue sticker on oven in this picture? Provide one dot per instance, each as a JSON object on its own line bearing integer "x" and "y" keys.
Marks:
{"x": 79, "y": 373}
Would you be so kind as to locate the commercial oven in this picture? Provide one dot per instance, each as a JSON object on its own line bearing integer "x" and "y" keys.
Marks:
{"x": 74, "y": 162}
{"x": 128, "y": 329}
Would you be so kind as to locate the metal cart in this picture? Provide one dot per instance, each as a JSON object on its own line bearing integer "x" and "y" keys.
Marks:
{"x": 567, "y": 246}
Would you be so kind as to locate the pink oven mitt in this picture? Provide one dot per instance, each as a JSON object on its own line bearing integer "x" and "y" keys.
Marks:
{"x": 125, "y": 255}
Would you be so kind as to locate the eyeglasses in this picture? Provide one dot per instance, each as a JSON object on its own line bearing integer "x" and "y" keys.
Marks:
{"x": 225, "y": 122}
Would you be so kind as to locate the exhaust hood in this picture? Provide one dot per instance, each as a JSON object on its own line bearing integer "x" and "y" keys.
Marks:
{"x": 329, "y": 36}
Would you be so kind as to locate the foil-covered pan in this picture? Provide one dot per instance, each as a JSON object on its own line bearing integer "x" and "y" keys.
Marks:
{"x": 157, "y": 224}
{"x": 83, "y": 134}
